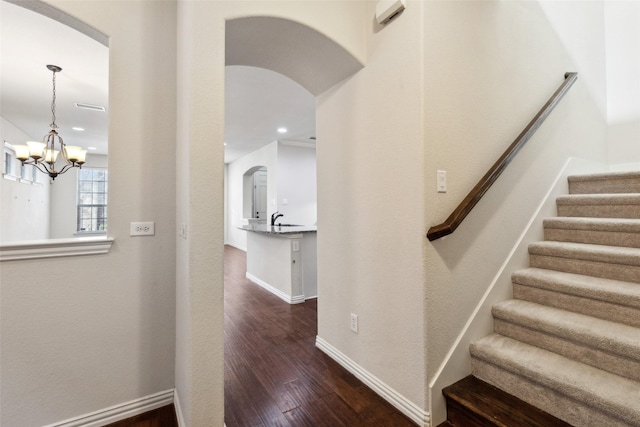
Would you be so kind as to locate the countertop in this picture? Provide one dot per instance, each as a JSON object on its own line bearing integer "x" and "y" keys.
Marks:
{"x": 277, "y": 229}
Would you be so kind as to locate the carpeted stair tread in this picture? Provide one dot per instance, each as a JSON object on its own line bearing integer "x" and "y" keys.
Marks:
{"x": 595, "y": 389}
{"x": 611, "y": 262}
{"x": 626, "y": 225}
{"x": 597, "y": 288}
{"x": 600, "y": 231}
{"x": 599, "y": 199}
{"x": 588, "y": 252}
{"x": 621, "y": 341}
{"x": 623, "y": 205}
{"x": 610, "y": 182}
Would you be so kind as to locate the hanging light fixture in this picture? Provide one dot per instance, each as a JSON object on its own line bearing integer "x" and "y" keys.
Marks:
{"x": 43, "y": 155}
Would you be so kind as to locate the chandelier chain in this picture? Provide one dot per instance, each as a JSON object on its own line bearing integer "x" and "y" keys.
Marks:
{"x": 53, "y": 104}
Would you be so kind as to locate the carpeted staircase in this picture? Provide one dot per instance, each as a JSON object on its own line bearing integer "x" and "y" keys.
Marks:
{"x": 569, "y": 341}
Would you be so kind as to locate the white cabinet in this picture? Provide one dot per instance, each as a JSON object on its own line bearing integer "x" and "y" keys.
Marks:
{"x": 284, "y": 264}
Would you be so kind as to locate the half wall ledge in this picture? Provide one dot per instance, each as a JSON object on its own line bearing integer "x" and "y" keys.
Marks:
{"x": 53, "y": 248}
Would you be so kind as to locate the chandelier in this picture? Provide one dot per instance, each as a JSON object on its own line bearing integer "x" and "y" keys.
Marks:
{"x": 43, "y": 155}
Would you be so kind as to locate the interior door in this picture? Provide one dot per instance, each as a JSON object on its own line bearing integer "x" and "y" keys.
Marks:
{"x": 260, "y": 195}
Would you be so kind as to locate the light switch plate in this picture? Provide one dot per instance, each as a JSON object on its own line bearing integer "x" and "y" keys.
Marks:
{"x": 442, "y": 181}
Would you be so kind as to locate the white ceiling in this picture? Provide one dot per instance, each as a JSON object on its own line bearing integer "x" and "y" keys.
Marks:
{"x": 258, "y": 101}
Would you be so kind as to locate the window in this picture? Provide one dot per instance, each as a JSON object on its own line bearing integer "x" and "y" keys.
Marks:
{"x": 92, "y": 200}
{"x": 26, "y": 173}
{"x": 9, "y": 161}
{"x": 36, "y": 174}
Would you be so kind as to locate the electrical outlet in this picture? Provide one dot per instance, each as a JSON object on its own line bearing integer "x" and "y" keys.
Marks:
{"x": 142, "y": 229}
{"x": 354, "y": 323}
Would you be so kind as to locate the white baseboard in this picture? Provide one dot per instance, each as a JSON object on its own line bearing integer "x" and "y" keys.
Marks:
{"x": 176, "y": 404}
{"x": 277, "y": 292}
{"x": 404, "y": 405}
{"x": 119, "y": 412}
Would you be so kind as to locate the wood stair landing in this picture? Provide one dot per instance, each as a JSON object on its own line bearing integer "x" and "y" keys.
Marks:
{"x": 473, "y": 402}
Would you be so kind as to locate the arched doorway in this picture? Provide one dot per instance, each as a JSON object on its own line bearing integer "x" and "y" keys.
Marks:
{"x": 291, "y": 49}
{"x": 201, "y": 38}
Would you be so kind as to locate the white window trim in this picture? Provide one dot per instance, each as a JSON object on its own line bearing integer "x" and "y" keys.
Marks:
{"x": 9, "y": 174}
{"x": 28, "y": 179}
{"x": 53, "y": 248}
{"x": 89, "y": 232}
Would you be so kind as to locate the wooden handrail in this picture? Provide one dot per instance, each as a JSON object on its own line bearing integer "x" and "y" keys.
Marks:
{"x": 474, "y": 196}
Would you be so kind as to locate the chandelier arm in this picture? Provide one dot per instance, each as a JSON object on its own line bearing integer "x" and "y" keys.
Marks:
{"x": 65, "y": 168}
{"x": 37, "y": 166}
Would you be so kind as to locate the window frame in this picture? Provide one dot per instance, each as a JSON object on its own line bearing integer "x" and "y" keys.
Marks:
{"x": 104, "y": 206}
{"x": 9, "y": 163}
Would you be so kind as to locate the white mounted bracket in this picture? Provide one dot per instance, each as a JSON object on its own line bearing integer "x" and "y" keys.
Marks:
{"x": 386, "y": 10}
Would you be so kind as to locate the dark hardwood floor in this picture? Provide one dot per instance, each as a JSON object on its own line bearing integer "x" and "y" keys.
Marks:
{"x": 274, "y": 374}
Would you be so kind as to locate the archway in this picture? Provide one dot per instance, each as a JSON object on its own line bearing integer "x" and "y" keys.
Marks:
{"x": 202, "y": 30}
{"x": 304, "y": 55}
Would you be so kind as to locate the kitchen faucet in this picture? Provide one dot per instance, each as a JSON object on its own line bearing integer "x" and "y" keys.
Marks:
{"x": 274, "y": 217}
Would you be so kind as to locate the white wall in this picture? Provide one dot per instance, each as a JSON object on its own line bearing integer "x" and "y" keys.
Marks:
{"x": 489, "y": 67}
{"x": 199, "y": 366}
{"x": 85, "y": 333}
{"x": 64, "y": 198}
{"x": 371, "y": 216}
{"x": 296, "y": 184}
{"x": 623, "y": 82}
{"x": 24, "y": 206}
{"x": 291, "y": 175}
{"x": 267, "y": 156}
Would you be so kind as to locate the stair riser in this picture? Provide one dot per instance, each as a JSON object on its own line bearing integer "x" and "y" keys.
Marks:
{"x": 608, "y": 186}
{"x": 591, "y": 307}
{"x": 599, "y": 211}
{"x": 461, "y": 416}
{"x": 629, "y": 240}
{"x": 629, "y": 273}
{"x": 553, "y": 402}
{"x": 615, "y": 364}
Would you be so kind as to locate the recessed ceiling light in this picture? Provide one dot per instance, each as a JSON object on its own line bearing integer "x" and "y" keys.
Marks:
{"x": 91, "y": 148}
{"x": 225, "y": 143}
{"x": 78, "y": 129}
{"x": 282, "y": 130}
